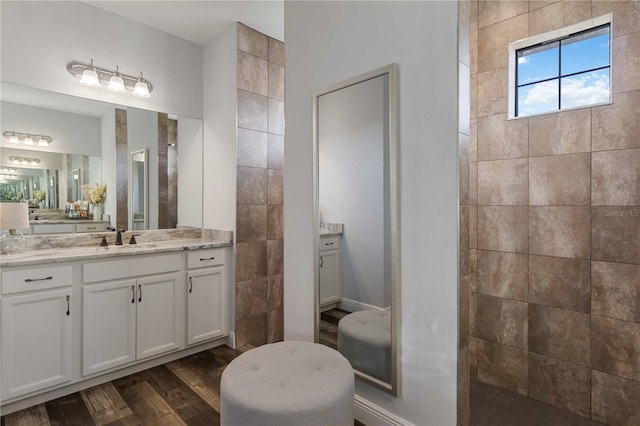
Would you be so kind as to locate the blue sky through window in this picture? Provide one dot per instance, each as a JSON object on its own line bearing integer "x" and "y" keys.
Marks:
{"x": 581, "y": 82}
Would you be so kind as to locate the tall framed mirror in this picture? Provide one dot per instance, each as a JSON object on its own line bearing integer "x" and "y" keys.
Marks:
{"x": 356, "y": 196}
{"x": 139, "y": 181}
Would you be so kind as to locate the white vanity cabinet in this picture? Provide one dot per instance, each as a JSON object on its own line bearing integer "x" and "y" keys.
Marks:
{"x": 206, "y": 295}
{"x": 134, "y": 317}
{"x": 37, "y": 314}
{"x": 330, "y": 270}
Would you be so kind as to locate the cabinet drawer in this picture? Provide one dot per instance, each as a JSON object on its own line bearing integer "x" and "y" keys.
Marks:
{"x": 53, "y": 228}
{"x": 202, "y": 258}
{"x": 91, "y": 227}
{"x": 328, "y": 243}
{"x": 133, "y": 266}
{"x": 22, "y": 280}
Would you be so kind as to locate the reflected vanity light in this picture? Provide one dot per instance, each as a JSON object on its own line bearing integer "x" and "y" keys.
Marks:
{"x": 27, "y": 139}
{"x": 115, "y": 81}
{"x": 24, "y": 161}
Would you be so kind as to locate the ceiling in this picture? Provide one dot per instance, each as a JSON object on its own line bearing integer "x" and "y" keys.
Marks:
{"x": 201, "y": 21}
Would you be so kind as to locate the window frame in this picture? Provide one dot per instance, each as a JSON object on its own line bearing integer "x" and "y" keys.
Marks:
{"x": 550, "y": 37}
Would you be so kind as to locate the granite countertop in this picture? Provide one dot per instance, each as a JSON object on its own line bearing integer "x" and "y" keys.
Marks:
{"x": 56, "y": 249}
{"x": 58, "y": 221}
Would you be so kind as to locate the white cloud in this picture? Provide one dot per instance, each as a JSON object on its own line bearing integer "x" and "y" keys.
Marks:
{"x": 523, "y": 60}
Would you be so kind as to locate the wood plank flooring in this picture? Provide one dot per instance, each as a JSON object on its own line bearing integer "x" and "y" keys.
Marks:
{"x": 182, "y": 392}
{"x": 329, "y": 326}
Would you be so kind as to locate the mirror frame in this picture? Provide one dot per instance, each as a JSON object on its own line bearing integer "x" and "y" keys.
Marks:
{"x": 132, "y": 154}
{"x": 394, "y": 212}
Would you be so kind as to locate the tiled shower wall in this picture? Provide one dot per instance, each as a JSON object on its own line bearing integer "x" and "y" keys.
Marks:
{"x": 466, "y": 14}
{"x": 555, "y": 224}
{"x": 260, "y": 155}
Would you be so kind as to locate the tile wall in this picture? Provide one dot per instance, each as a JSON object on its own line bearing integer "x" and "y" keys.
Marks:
{"x": 554, "y": 215}
{"x": 122, "y": 170}
{"x": 466, "y": 21}
{"x": 260, "y": 155}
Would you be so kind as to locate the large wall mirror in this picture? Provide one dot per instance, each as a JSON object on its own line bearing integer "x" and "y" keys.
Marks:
{"x": 98, "y": 142}
{"x": 356, "y": 194}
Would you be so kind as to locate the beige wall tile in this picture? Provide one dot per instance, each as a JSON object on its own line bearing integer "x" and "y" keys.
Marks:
{"x": 473, "y": 183}
{"x": 252, "y": 330}
{"x": 615, "y": 234}
{"x": 560, "y": 283}
{"x": 252, "y": 148}
{"x": 615, "y": 347}
{"x": 559, "y": 231}
{"x": 574, "y": 11}
{"x": 275, "y": 152}
{"x": 503, "y": 366}
{"x": 545, "y": 18}
{"x": 493, "y": 92}
{"x": 251, "y": 260}
{"x": 276, "y": 188}
{"x": 616, "y": 178}
{"x": 616, "y": 290}
{"x": 276, "y": 117}
{"x": 494, "y": 39}
{"x": 464, "y": 241}
{"x": 473, "y": 140}
{"x": 473, "y": 270}
{"x": 252, "y": 111}
{"x": 626, "y": 14}
{"x": 503, "y": 274}
{"x": 274, "y": 292}
{"x": 251, "y": 297}
{"x": 503, "y": 228}
{"x": 490, "y": 12}
{"x": 500, "y": 139}
{"x": 253, "y": 74}
{"x": 564, "y": 132}
{"x": 502, "y": 320}
{"x": 462, "y": 402}
{"x": 473, "y": 314}
{"x": 275, "y": 326}
{"x": 274, "y": 257}
{"x": 614, "y": 400}
{"x": 463, "y": 312}
{"x": 616, "y": 126}
{"x": 252, "y": 223}
{"x": 253, "y": 42}
{"x": 560, "y": 384}
{"x": 473, "y": 358}
{"x": 626, "y": 62}
{"x": 276, "y": 82}
{"x": 276, "y": 52}
{"x": 503, "y": 182}
{"x": 464, "y": 37}
{"x": 473, "y": 52}
{"x": 535, "y": 4}
{"x": 274, "y": 222}
{"x": 559, "y": 334}
{"x": 473, "y": 97}
{"x": 560, "y": 180}
{"x": 473, "y": 227}
{"x": 463, "y": 168}
{"x": 252, "y": 185}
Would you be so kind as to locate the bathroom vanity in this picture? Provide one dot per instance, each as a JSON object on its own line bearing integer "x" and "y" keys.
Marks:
{"x": 76, "y": 317}
{"x": 330, "y": 267}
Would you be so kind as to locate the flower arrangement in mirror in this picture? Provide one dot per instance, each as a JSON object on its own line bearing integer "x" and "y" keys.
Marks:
{"x": 96, "y": 195}
{"x": 40, "y": 196}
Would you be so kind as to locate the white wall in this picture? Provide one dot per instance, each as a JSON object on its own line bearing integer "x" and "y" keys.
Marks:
{"x": 352, "y": 182}
{"x": 326, "y": 42}
{"x": 190, "y": 172}
{"x": 142, "y": 132}
{"x": 71, "y": 133}
{"x": 39, "y": 38}
{"x": 220, "y": 103}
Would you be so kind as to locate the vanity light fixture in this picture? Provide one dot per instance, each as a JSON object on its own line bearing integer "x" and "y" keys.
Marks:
{"x": 24, "y": 161}
{"x": 27, "y": 139}
{"x": 8, "y": 170}
{"x": 93, "y": 76}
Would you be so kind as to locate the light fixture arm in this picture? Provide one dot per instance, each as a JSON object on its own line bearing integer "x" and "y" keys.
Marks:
{"x": 104, "y": 75}
{"x": 20, "y": 135}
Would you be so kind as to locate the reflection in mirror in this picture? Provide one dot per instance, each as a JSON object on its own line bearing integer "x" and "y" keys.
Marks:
{"x": 139, "y": 189}
{"x": 87, "y": 142}
{"x": 357, "y": 224}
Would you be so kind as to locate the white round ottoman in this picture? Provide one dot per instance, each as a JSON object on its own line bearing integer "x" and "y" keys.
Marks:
{"x": 364, "y": 338}
{"x": 287, "y": 383}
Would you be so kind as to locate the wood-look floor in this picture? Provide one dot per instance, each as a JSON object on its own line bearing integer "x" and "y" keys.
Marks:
{"x": 329, "y": 326}
{"x": 182, "y": 392}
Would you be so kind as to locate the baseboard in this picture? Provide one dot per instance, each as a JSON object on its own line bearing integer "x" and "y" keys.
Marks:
{"x": 373, "y": 415}
{"x": 350, "y": 305}
{"x": 230, "y": 340}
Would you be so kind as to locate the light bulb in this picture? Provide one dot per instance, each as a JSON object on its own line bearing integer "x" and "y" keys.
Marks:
{"x": 25, "y": 162}
{"x": 28, "y": 140}
{"x": 141, "y": 88}
{"x": 116, "y": 83}
{"x": 90, "y": 76}
{"x": 43, "y": 141}
{"x": 13, "y": 138}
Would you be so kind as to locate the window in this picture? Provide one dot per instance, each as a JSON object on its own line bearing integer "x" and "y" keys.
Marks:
{"x": 557, "y": 71}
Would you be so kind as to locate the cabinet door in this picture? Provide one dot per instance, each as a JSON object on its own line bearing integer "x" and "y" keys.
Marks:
{"x": 108, "y": 325}
{"x": 36, "y": 342}
{"x": 330, "y": 277}
{"x": 206, "y": 305}
{"x": 158, "y": 316}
